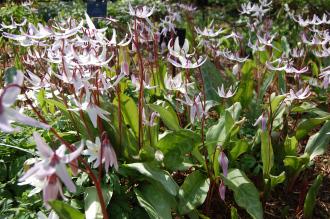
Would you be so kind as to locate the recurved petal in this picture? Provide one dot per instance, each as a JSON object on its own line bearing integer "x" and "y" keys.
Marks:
{"x": 70, "y": 157}
{"x": 62, "y": 173}
{"x": 16, "y": 116}
{"x": 44, "y": 150}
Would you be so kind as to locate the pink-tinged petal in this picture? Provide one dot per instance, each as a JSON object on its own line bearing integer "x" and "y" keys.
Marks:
{"x": 222, "y": 191}
{"x": 4, "y": 124}
{"x": 62, "y": 173}
{"x": 32, "y": 171}
{"x": 41, "y": 215}
{"x": 106, "y": 157}
{"x": 92, "y": 113}
{"x": 223, "y": 160}
{"x": 50, "y": 192}
{"x": 114, "y": 158}
{"x": 44, "y": 150}
{"x": 61, "y": 151}
{"x": 11, "y": 93}
{"x": 70, "y": 157}
{"x": 193, "y": 111}
{"x": 53, "y": 215}
{"x": 16, "y": 116}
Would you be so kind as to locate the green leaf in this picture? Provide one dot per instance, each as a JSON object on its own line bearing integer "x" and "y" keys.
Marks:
{"x": 265, "y": 85}
{"x": 317, "y": 144}
{"x": 219, "y": 133}
{"x": 296, "y": 163}
{"x": 156, "y": 201}
{"x": 129, "y": 112}
{"x": 241, "y": 146}
{"x": 267, "y": 154}
{"x": 275, "y": 102}
{"x": 156, "y": 174}
{"x": 309, "y": 107}
{"x": 93, "y": 208}
{"x": 193, "y": 192}
{"x": 182, "y": 140}
{"x": 64, "y": 210}
{"x": 244, "y": 93}
{"x": 168, "y": 116}
{"x": 310, "y": 199}
{"x": 245, "y": 193}
{"x": 275, "y": 180}
{"x": 308, "y": 125}
{"x": 290, "y": 146}
{"x": 9, "y": 75}
{"x": 233, "y": 213}
{"x": 212, "y": 80}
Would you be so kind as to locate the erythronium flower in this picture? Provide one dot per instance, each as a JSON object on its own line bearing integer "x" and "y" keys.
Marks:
{"x": 142, "y": 12}
{"x": 184, "y": 62}
{"x": 52, "y": 215}
{"x": 51, "y": 168}
{"x": 8, "y": 97}
{"x": 13, "y": 24}
{"x": 325, "y": 74}
{"x": 136, "y": 83}
{"x": 196, "y": 107}
{"x": 109, "y": 157}
{"x": 223, "y": 161}
{"x": 223, "y": 94}
{"x": 175, "y": 83}
{"x": 93, "y": 150}
{"x": 93, "y": 111}
{"x": 297, "y": 53}
{"x": 299, "y": 95}
{"x": 189, "y": 8}
{"x": 151, "y": 122}
{"x": 208, "y": 32}
{"x": 262, "y": 119}
{"x": 231, "y": 56}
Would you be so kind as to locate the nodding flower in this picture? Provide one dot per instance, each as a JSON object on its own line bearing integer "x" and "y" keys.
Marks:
{"x": 208, "y": 32}
{"x": 51, "y": 169}
{"x": 325, "y": 74}
{"x": 301, "y": 94}
{"x": 223, "y": 161}
{"x": 262, "y": 119}
{"x": 181, "y": 57}
{"x": 142, "y": 12}
{"x": 8, "y": 96}
{"x": 93, "y": 150}
{"x": 223, "y": 94}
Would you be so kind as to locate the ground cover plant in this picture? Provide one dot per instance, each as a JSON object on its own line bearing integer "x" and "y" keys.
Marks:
{"x": 164, "y": 112}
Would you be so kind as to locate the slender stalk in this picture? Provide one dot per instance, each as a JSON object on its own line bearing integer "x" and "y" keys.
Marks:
{"x": 90, "y": 173}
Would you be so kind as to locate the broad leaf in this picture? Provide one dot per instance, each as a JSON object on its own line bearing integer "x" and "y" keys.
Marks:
{"x": 245, "y": 193}
{"x": 156, "y": 174}
{"x": 310, "y": 199}
{"x": 168, "y": 116}
{"x": 64, "y": 210}
{"x": 155, "y": 200}
{"x": 267, "y": 154}
{"x": 92, "y": 204}
{"x": 308, "y": 125}
{"x": 318, "y": 143}
{"x": 130, "y": 112}
{"x": 193, "y": 192}
{"x": 212, "y": 80}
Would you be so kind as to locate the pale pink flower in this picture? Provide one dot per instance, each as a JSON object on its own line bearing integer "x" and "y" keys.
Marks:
{"x": 223, "y": 94}
{"x": 8, "y": 97}
{"x": 299, "y": 95}
{"x": 51, "y": 168}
